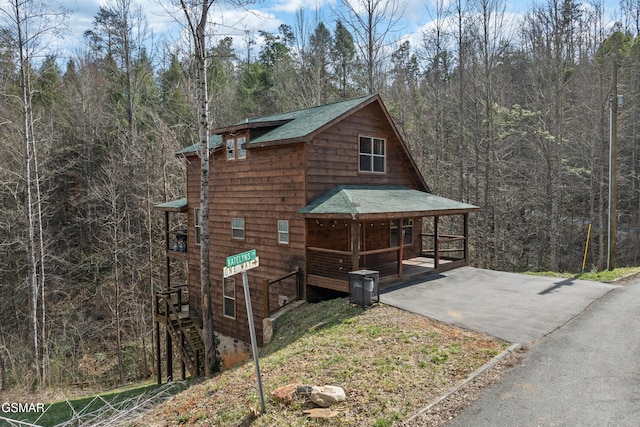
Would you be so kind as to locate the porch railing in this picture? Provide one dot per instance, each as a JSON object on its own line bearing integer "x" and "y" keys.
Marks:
{"x": 448, "y": 246}
{"x": 176, "y": 244}
{"x": 170, "y": 310}
{"x": 335, "y": 265}
{"x": 170, "y": 301}
{"x": 281, "y": 291}
{"x": 329, "y": 263}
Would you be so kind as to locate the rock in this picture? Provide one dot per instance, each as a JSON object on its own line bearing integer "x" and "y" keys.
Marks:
{"x": 304, "y": 390}
{"x": 320, "y": 413}
{"x": 327, "y": 395}
{"x": 285, "y": 393}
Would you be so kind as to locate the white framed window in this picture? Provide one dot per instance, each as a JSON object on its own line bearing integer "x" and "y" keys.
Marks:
{"x": 283, "y": 231}
{"x": 231, "y": 148}
{"x": 372, "y": 154}
{"x": 197, "y": 224}
{"x": 242, "y": 153}
{"x": 237, "y": 228}
{"x": 235, "y": 151}
{"x": 407, "y": 227}
{"x": 229, "y": 297}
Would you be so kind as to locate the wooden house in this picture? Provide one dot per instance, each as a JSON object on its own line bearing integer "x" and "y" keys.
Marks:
{"x": 317, "y": 193}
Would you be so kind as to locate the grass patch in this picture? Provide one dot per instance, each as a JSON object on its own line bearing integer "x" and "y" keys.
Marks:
{"x": 89, "y": 409}
{"x": 389, "y": 362}
{"x": 609, "y": 276}
{"x": 598, "y": 276}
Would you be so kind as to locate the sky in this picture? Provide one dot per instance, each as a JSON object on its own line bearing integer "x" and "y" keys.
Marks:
{"x": 266, "y": 15}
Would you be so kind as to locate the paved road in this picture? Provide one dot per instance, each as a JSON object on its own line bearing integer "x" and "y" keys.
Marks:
{"x": 515, "y": 307}
{"x": 586, "y": 373}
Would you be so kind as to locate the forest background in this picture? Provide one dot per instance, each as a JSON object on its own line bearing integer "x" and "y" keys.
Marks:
{"x": 509, "y": 115}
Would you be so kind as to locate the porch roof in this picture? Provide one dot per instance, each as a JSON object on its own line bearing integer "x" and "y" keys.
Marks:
{"x": 179, "y": 205}
{"x": 367, "y": 202}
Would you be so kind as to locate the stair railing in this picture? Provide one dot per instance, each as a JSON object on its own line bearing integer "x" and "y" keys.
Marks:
{"x": 179, "y": 333}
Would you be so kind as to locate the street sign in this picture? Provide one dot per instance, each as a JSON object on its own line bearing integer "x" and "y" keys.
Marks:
{"x": 242, "y": 258}
{"x": 240, "y": 263}
{"x": 240, "y": 268}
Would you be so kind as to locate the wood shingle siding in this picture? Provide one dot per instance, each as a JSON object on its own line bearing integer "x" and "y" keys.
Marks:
{"x": 294, "y": 160}
{"x": 333, "y": 155}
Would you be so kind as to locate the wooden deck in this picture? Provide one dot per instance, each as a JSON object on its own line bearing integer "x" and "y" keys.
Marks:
{"x": 413, "y": 268}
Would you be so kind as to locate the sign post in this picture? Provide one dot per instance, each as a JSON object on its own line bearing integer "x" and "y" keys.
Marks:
{"x": 240, "y": 263}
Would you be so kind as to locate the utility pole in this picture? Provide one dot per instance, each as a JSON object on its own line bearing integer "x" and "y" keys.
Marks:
{"x": 613, "y": 156}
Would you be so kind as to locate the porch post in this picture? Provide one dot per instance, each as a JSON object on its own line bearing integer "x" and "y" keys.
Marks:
{"x": 436, "y": 243}
{"x": 355, "y": 246}
{"x": 156, "y": 327}
{"x": 168, "y": 346}
{"x": 166, "y": 247}
{"x": 466, "y": 237}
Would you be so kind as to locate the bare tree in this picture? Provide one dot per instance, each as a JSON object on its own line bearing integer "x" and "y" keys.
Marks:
{"x": 196, "y": 14}
{"x": 373, "y": 23}
{"x": 31, "y": 21}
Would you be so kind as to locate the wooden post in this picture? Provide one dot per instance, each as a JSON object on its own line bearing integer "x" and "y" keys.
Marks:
{"x": 183, "y": 368}
{"x": 169, "y": 344}
{"x": 265, "y": 298}
{"x": 436, "y": 243}
{"x": 355, "y": 245}
{"x": 298, "y": 283}
{"x": 466, "y": 237}
{"x": 166, "y": 248}
{"x": 401, "y": 250}
{"x": 156, "y": 325}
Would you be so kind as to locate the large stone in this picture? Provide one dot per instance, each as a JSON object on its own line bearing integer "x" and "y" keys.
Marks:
{"x": 327, "y": 395}
{"x": 320, "y": 413}
{"x": 286, "y": 393}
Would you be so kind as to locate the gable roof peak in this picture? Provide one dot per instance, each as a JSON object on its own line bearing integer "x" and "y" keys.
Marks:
{"x": 291, "y": 126}
{"x": 298, "y": 124}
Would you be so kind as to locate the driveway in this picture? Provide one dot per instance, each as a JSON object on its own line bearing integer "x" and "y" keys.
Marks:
{"x": 517, "y": 308}
{"x": 584, "y": 374}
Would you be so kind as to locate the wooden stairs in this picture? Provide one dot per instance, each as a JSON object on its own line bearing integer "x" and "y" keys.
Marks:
{"x": 185, "y": 335}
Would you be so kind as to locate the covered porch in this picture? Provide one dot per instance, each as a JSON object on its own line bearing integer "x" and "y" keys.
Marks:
{"x": 401, "y": 232}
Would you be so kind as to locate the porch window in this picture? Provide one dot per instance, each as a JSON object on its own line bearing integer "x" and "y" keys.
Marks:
{"x": 283, "y": 231}
{"x": 237, "y": 228}
{"x": 229, "y": 297}
{"x": 407, "y": 227}
{"x": 372, "y": 154}
{"x": 234, "y": 148}
{"x": 198, "y": 224}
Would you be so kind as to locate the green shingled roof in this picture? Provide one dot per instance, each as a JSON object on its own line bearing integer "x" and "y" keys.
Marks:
{"x": 304, "y": 122}
{"x": 361, "y": 201}
{"x": 173, "y": 205}
{"x": 214, "y": 142}
{"x": 288, "y": 126}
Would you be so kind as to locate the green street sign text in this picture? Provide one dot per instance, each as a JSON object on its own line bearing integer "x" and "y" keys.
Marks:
{"x": 238, "y": 259}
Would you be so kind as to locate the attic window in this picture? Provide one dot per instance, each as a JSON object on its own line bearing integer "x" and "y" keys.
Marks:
{"x": 372, "y": 154}
{"x": 234, "y": 148}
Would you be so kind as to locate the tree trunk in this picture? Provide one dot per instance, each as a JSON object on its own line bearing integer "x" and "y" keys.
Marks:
{"x": 29, "y": 216}
{"x": 198, "y": 32}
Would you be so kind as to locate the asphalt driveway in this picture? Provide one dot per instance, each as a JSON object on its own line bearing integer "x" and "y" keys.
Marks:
{"x": 584, "y": 374}
{"x": 514, "y": 307}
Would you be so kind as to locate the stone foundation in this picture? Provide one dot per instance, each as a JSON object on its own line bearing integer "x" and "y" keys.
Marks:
{"x": 232, "y": 351}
